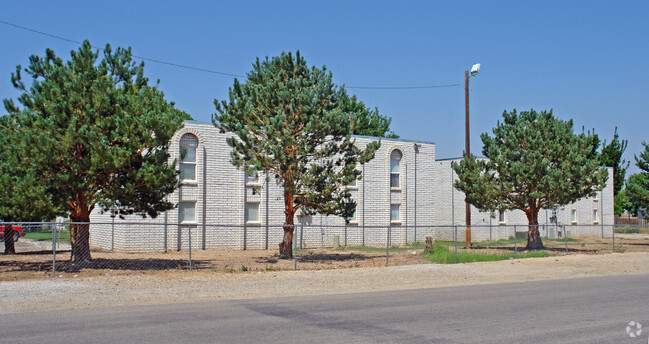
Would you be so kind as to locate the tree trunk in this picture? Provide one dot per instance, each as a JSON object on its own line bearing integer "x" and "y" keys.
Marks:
{"x": 80, "y": 234}
{"x": 533, "y": 236}
{"x": 286, "y": 246}
{"x": 9, "y": 239}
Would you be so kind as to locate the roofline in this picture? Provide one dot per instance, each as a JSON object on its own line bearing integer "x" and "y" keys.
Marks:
{"x": 359, "y": 136}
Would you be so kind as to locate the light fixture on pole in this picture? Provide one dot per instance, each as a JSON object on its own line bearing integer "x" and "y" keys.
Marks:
{"x": 474, "y": 71}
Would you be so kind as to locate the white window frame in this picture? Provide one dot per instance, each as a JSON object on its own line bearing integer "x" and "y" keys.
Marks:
{"x": 398, "y": 220}
{"x": 595, "y": 215}
{"x": 573, "y": 216}
{"x": 188, "y": 163}
{"x": 353, "y": 185}
{"x": 252, "y": 180}
{"x": 245, "y": 213}
{"x": 502, "y": 217}
{"x": 393, "y": 157}
{"x": 181, "y": 217}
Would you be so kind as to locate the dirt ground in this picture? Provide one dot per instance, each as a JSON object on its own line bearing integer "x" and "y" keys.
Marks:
{"x": 34, "y": 259}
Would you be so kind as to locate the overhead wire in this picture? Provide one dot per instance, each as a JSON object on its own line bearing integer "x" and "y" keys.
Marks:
{"x": 136, "y": 56}
{"x": 217, "y": 72}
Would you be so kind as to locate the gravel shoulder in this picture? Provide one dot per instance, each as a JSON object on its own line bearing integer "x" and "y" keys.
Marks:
{"x": 202, "y": 286}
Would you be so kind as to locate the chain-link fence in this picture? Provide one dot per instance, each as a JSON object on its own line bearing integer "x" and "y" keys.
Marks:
{"x": 119, "y": 246}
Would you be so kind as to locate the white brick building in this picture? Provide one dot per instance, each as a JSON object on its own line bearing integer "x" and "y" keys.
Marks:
{"x": 403, "y": 188}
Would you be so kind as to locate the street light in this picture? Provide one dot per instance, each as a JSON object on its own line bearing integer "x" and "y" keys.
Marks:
{"x": 474, "y": 71}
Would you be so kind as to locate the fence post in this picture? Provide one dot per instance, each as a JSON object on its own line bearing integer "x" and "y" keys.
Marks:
{"x": 294, "y": 250}
{"x": 301, "y": 235}
{"x": 164, "y": 230}
{"x": 189, "y": 234}
{"x": 565, "y": 236}
{"x": 387, "y": 247}
{"x": 53, "y": 252}
{"x": 345, "y": 234}
{"x": 455, "y": 240}
{"x": 515, "y": 244}
{"x": 245, "y": 237}
{"x": 112, "y": 235}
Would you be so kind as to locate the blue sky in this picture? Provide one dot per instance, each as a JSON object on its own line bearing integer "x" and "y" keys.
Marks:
{"x": 587, "y": 60}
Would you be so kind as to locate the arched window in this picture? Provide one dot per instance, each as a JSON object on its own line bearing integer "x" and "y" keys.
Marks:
{"x": 188, "y": 144}
{"x": 395, "y": 162}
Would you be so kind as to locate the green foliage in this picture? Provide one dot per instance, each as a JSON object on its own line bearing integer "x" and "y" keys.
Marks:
{"x": 611, "y": 156}
{"x": 289, "y": 120}
{"x": 444, "y": 255}
{"x": 47, "y": 236}
{"x": 22, "y": 196}
{"x": 94, "y": 133}
{"x": 637, "y": 187}
{"x": 534, "y": 161}
{"x": 621, "y": 202}
{"x": 365, "y": 121}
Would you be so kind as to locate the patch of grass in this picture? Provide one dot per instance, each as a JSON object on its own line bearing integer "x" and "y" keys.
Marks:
{"x": 229, "y": 269}
{"x": 269, "y": 268}
{"x": 444, "y": 255}
{"x": 414, "y": 246}
{"x": 510, "y": 241}
{"x": 47, "y": 236}
{"x": 632, "y": 230}
{"x": 244, "y": 268}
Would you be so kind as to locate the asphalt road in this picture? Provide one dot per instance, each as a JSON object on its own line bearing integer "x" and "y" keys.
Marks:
{"x": 586, "y": 310}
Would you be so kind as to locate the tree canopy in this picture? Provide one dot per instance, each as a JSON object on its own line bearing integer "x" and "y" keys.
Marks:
{"x": 94, "y": 134}
{"x": 611, "y": 156}
{"x": 289, "y": 119}
{"x": 637, "y": 187}
{"x": 533, "y": 161}
{"x": 365, "y": 121}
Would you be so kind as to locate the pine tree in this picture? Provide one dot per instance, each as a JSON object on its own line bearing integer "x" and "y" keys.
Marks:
{"x": 97, "y": 134}
{"x": 288, "y": 120}
{"x": 611, "y": 156}
{"x": 365, "y": 121}
{"x": 637, "y": 187}
{"x": 534, "y": 161}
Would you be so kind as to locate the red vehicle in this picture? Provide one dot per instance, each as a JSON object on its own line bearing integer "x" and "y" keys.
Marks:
{"x": 18, "y": 232}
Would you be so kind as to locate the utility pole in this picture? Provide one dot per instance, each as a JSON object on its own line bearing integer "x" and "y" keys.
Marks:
{"x": 468, "y": 151}
{"x": 474, "y": 71}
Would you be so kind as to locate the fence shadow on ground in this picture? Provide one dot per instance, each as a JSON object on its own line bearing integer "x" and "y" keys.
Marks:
{"x": 321, "y": 257}
{"x": 137, "y": 264}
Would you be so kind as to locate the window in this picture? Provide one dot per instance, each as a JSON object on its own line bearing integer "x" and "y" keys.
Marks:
{"x": 395, "y": 213}
{"x": 252, "y": 179}
{"x": 188, "y": 144}
{"x": 501, "y": 217}
{"x": 595, "y": 216}
{"x": 353, "y": 219}
{"x": 395, "y": 161}
{"x": 573, "y": 216}
{"x": 187, "y": 212}
{"x": 251, "y": 212}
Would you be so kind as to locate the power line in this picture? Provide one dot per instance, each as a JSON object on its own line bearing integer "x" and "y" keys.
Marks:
{"x": 217, "y": 72}
{"x": 402, "y": 87}
{"x": 136, "y": 56}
